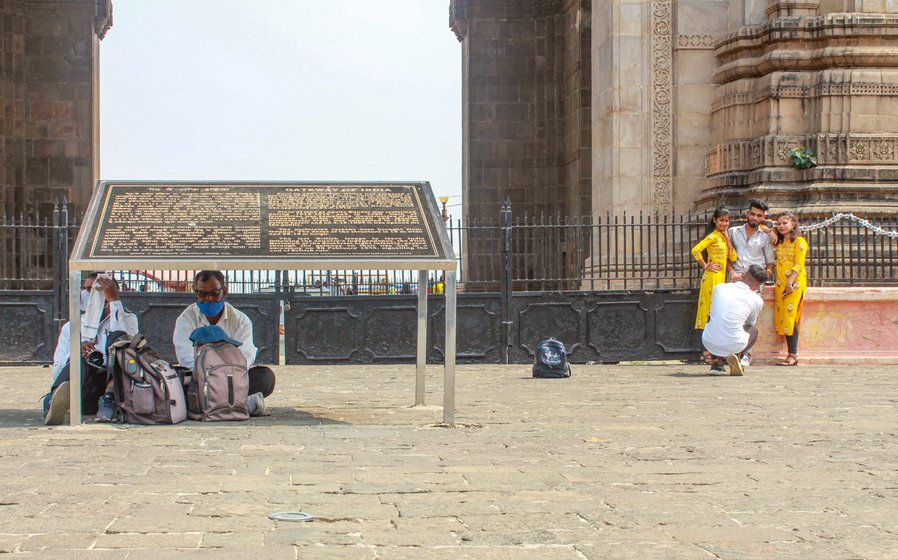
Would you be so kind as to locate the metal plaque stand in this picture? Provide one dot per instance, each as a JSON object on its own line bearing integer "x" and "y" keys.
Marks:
{"x": 90, "y": 254}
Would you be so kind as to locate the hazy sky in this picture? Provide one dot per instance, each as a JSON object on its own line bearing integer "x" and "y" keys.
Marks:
{"x": 282, "y": 90}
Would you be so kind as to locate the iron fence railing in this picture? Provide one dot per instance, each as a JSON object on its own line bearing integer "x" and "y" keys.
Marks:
{"x": 643, "y": 251}
{"x": 648, "y": 251}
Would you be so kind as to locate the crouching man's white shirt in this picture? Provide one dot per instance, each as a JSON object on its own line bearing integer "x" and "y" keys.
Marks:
{"x": 233, "y": 322}
{"x": 733, "y": 306}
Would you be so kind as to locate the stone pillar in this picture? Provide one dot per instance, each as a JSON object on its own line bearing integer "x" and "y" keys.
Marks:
{"x": 623, "y": 174}
{"x": 815, "y": 76}
{"x": 49, "y": 94}
{"x": 525, "y": 72}
{"x": 526, "y": 110}
{"x": 699, "y": 25}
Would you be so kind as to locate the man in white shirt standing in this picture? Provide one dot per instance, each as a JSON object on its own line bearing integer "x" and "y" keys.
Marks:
{"x": 211, "y": 309}
{"x": 752, "y": 244}
{"x": 96, "y": 388}
{"x": 735, "y": 308}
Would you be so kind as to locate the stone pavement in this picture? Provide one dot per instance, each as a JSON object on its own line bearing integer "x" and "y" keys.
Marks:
{"x": 628, "y": 461}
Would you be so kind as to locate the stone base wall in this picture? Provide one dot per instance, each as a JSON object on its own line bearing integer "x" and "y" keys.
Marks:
{"x": 839, "y": 326}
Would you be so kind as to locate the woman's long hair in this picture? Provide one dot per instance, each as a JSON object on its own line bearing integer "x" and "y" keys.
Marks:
{"x": 794, "y": 234}
{"x": 719, "y": 212}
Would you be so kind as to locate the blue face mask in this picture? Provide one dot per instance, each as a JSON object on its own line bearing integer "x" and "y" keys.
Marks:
{"x": 211, "y": 308}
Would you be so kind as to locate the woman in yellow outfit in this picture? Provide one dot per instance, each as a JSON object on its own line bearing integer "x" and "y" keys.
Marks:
{"x": 720, "y": 249}
{"x": 791, "y": 282}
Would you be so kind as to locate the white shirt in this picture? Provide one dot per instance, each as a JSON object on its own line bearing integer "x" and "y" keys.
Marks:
{"x": 233, "y": 322}
{"x": 732, "y": 307}
{"x": 751, "y": 250}
{"x": 118, "y": 320}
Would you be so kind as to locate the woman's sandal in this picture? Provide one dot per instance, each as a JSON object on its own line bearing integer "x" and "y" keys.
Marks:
{"x": 707, "y": 358}
{"x": 791, "y": 360}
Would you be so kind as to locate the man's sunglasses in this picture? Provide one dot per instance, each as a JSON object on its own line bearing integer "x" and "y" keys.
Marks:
{"x": 209, "y": 294}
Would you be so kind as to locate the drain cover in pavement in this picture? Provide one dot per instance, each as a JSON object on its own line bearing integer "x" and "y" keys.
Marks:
{"x": 291, "y": 516}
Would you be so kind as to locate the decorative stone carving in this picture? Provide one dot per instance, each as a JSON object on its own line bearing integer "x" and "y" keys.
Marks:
{"x": 774, "y": 151}
{"x": 662, "y": 112}
{"x": 702, "y": 42}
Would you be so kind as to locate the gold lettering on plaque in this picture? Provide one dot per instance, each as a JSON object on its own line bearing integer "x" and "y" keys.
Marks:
{"x": 276, "y": 220}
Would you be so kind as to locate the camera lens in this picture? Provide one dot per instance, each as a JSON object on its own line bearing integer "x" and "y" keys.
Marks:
{"x": 95, "y": 359}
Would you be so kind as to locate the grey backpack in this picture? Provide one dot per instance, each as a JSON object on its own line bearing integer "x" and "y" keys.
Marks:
{"x": 147, "y": 389}
{"x": 220, "y": 383}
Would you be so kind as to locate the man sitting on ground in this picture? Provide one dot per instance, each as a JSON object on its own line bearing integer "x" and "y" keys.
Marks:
{"x": 96, "y": 388}
{"x": 212, "y": 309}
{"x": 734, "y": 311}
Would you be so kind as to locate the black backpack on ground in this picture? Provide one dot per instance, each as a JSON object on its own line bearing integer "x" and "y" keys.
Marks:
{"x": 551, "y": 360}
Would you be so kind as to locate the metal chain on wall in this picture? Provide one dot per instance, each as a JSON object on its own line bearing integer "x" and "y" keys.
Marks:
{"x": 851, "y": 218}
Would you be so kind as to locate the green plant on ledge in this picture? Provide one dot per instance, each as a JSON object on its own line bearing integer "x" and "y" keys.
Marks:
{"x": 803, "y": 158}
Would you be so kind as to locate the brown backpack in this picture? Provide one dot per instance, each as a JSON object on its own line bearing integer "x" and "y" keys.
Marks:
{"x": 220, "y": 383}
{"x": 147, "y": 389}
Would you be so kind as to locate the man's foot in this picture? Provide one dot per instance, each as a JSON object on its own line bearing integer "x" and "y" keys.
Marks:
{"x": 718, "y": 368}
{"x": 106, "y": 408}
{"x": 255, "y": 404}
{"x": 791, "y": 360}
{"x": 746, "y": 360}
{"x": 735, "y": 365}
{"x": 58, "y": 407}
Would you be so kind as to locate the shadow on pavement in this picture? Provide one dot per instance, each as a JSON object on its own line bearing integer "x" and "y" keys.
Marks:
{"x": 32, "y": 418}
{"x": 697, "y": 374}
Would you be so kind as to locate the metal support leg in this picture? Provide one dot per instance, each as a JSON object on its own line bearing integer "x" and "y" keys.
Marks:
{"x": 75, "y": 353}
{"x": 449, "y": 372}
{"x": 421, "y": 363}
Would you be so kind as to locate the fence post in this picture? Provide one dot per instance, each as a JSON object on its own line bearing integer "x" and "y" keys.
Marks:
{"x": 505, "y": 275}
{"x": 60, "y": 268}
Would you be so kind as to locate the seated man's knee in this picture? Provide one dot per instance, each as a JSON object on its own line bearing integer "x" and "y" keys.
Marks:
{"x": 261, "y": 380}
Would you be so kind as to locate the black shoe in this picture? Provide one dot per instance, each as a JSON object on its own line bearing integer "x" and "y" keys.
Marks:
{"x": 718, "y": 368}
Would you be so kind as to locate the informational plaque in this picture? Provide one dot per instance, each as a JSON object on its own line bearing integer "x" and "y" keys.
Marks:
{"x": 266, "y": 220}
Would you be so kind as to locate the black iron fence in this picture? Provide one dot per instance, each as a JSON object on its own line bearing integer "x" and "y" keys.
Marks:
{"x": 612, "y": 287}
{"x": 649, "y": 251}
{"x": 530, "y": 252}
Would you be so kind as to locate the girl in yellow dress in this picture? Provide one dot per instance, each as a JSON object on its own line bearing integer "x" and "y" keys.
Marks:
{"x": 720, "y": 249}
{"x": 791, "y": 282}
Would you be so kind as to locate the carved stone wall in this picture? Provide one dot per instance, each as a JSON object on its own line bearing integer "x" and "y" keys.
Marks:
{"x": 48, "y": 101}
{"x": 805, "y": 77}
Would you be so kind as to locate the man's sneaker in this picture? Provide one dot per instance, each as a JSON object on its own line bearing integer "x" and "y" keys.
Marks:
{"x": 255, "y": 404}
{"x": 718, "y": 368}
{"x": 106, "y": 408}
{"x": 735, "y": 365}
{"x": 746, "y": 360}
{"x": 58, "y": 406}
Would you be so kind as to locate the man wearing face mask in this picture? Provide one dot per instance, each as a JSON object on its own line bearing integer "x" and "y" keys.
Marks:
{"x": 96, "y": 387}
{"x": 211, "y": 309}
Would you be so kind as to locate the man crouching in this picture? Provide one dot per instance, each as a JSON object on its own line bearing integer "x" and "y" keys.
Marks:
{"x": 734, "y": 311}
